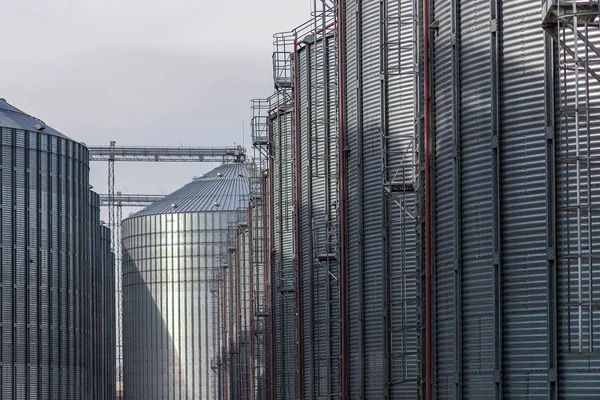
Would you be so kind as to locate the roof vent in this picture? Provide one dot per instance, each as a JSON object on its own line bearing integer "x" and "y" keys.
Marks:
{"x": 195, "y": 178}
{"x": 216, "y": 205}
{"x": 40, "y": 126}
{"x": 219, "y": 174}
{"x": 174, "y": 205}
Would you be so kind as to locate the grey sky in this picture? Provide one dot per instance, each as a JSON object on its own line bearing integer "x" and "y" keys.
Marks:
{"x": 152, "y": 72}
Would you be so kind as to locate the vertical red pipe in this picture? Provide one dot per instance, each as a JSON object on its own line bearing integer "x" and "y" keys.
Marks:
{"x": 239, "y": 311}
{"x": 251, "y": 279}
{"x": 270, "y": 251}
{"x": 342, "y": 195}
{"x": 297, "y": 230}
{"x": 218, "y": 349}
{"x": 224, "y": 324}
{"x": 426, "y": 139}
{"x": 263, "y": 238}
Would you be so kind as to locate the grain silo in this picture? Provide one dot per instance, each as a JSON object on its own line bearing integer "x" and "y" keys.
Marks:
{"x": 171, "y": 251}
{"x": 259, "y": 286}
{"x": 108, "y": 330}
{"x": 513, "y": 221}
{"x": 44, "y": 249}
{"x": 284, "y": 305}
{"x": 96, "y": 309}
{"x": 317, "y": 139}
{"x": 101, "y": 303}
{"x": 379, "y": 67}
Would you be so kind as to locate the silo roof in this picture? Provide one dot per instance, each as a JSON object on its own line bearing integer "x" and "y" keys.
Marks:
{"x": 12, "y": 117}
{"x": 225, "y": 188}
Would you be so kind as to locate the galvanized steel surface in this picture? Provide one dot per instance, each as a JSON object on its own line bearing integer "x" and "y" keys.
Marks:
{"x": 379, "y": 75}
{"x": 169, "y": 263}
{"x": 578, "y": 204}
{"x": 318, "y": 230}
{"x": 284, "y": 274}
{"x": 101, "y": 303}
{"x": 220, "y": 189}
{"x": 108, "y": 365}
{"x": 495, "y": 277}
{"x": 259, "y": 295}
{"x": 45, "y": 255}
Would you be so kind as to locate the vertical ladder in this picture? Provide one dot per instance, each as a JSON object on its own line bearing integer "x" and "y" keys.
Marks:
{"x": 574, "y": 26}
{"x": 323, "y": 147}
{"x": 398, "y": 35}
{"x": 285, "y": 277}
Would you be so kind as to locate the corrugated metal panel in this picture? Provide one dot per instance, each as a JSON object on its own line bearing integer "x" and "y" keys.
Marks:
{"x": 465, "y": 304}
{"x": 446, "y": 348}
{"x": 108, "y": 304}
{"x": 100, "y": 302}
{"x": 318, "y": 217}
{"x": 223, "y": 188}
{"x": 243, "y": 340}
{"x": 169, "y": 265}
{"x": 525, "y": 304}
{"x": 578, "y": 220}
{"x": 304, "y": 112}
{"x": 259, "y": 299}
{"x": 380, "y": 129}
{"x": 284, "y": 274}
{"x": 353, "y": 130}
{"x": 45, "y": 255}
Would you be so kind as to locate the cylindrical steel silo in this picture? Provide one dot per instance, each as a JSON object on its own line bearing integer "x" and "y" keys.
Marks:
{"x": 514, "y": 225}
{"x": 44, "y": 249}
{"x": 378, "y": 64}
{"x": 95, "y": 300}
{"x": 318, "y": 138}
{"x": 282, "y": 253}
{"x": 243, "y": 278}
{"x": 108, "y": 357}
{"x": 170, "y": 252}
{"x": 101, "y": 316}
{"x": 259, "y": 287}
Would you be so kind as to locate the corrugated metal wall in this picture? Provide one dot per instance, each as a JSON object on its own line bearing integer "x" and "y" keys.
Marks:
{"x": 284, "y": 273}
{"x": 379, "y": 127}
{"x": 101, "y": 304}
{"x": 259, "y": 293}
{"x": 243, "y": 313}
{"x": 578, "y": 205}
{"x": 318, "y": 230}
{"x": 168, "y": 266}
{"x": 108, "y": 305}
{"x": 44, "y": 250}
{"x": 495, "y": 278}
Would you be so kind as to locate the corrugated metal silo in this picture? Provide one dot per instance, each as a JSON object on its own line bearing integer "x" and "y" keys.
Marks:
{"x": 243, "y": 278}
{"x": 258, "y": 291}
{"x": 512, "y": 262}
{"x": 107, "y": 302}
{"x": 170, "y": 253}
{"x": 101, "y": 303}
{"x": 282, "y": 261}
{"x": 379, "y": 91}
{"x": 318, "y": 193}
{"x": 44, "y": 250}
{"x": 95, "y": 317}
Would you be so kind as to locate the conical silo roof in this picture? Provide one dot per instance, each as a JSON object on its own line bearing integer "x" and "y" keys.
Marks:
{"x": 225, "y": 188}
{"x": 12, "y": 117}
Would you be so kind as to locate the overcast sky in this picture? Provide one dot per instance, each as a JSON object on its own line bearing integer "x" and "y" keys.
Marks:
{"x": 143, "y": 72}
